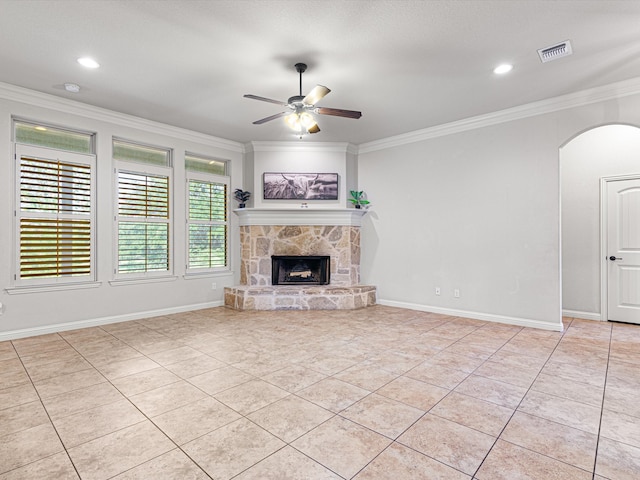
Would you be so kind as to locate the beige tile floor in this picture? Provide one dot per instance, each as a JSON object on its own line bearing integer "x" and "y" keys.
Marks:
{"x": 380, "y": 393}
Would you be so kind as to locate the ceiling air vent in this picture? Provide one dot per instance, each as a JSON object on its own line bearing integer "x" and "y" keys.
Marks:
{"x": 554, "y": 52}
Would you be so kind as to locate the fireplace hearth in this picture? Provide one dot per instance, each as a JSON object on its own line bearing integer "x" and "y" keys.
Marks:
{"x": 290, "y": 233}
{"x": 300, "y": 270}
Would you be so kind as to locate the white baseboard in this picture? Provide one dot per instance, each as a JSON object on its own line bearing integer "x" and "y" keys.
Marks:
{"x": 522, "y": 322}
{"x": 94, "y": 322}
{"x": 582, "y": 315}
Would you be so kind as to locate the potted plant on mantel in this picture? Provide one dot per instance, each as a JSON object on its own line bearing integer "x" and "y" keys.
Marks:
{"x": 357, "y": 198}
{"x": 241, "y": 196}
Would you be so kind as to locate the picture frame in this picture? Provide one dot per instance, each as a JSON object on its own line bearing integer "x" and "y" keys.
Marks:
{"x": 300, "y": 186}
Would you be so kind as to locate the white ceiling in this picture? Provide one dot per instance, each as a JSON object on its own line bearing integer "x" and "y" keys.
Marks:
{"x": 407, "y": 65}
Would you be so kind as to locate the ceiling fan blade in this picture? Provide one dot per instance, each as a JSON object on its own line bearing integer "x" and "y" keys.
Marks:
{"x": 263, "y": 99}
{"x": 338, "y": 112}
{"x": 314, "y": 129}
{"x": 315, "y": 95}
{"x": 272, "y": 117}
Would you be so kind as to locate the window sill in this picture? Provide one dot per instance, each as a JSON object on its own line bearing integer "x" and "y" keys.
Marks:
{"x": 50, "y": 288}
{"x": 138, "y": 281}
{"x": 196, "y": 276}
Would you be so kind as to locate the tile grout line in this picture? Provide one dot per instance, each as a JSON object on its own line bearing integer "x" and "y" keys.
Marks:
{"x": 604, "y": 394}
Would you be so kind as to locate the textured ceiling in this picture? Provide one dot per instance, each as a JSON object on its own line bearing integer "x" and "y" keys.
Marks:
{"x": 407, "y": 65}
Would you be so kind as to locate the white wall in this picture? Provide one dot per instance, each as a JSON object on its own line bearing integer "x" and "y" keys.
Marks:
{"x": 475, "y": 209}
{"x": 601, "y": 152}
{"x": 42, "y": 311}
{"x": 478, "y": 211}
{"x": 303, "y": 157}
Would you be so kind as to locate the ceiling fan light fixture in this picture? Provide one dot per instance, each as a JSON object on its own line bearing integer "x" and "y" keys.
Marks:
{"x": 300, "y": 121}
{"x": 293, "y": 122}
{"x": 307, "y": 120}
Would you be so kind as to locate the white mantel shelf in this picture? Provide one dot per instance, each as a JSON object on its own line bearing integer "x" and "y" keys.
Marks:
{"x": 300, "y": 216}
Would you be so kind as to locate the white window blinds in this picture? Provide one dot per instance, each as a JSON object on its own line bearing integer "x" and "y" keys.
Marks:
{"x": 54, "y": 215}
{"x": 207, "y": 224}
{"x": 143, "y": 222}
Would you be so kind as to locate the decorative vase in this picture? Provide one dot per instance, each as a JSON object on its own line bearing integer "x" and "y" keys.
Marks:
{"x": 358, "y": 206}
{"x": 242, "y": 205}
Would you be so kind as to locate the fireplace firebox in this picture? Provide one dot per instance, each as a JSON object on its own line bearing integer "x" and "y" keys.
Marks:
{"x": 300, "y": 270}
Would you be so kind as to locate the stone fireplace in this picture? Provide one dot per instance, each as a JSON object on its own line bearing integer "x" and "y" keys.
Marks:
{"x": 333, "y": 234}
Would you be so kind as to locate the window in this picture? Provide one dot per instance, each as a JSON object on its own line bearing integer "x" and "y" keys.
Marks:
{"x": 196, "y": 163}
{"x": 53, "y": 137}
{"x": 207, "y": 216}
{"x": 143, "y": 213}
{"x": 54, "y": 206}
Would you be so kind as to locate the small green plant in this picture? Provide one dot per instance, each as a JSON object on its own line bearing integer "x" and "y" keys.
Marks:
{"x": 241, "y": 196}
{"x": 357, "y": 198}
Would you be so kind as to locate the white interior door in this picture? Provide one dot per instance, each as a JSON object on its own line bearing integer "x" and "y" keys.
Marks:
{"x": 623, "y": 245}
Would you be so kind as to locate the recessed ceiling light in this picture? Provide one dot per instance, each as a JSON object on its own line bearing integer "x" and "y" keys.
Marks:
{"x": 88, "y": 62}
{"x": 502, "y": 69}
{"x": 72, "y": 87}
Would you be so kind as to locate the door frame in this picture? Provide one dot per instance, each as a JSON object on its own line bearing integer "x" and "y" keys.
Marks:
{"x": 604, "y": 247}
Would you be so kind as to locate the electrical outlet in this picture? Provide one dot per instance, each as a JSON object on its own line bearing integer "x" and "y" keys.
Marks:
{"x": 456, "y": 293}
{"x": 437, "y": 290}
{"x": 214, "y": 286}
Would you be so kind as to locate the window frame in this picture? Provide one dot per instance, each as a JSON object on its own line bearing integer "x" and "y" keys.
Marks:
{"x": 207, "y": 178}
{"x": 141, "y": 168}
{"x": 53, "y": 155}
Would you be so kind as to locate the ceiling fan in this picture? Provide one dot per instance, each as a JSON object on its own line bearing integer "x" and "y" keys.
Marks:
{"x": 299, "y": 116}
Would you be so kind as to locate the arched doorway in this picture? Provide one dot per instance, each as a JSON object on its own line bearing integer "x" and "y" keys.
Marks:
{"x": 600, "y": 153}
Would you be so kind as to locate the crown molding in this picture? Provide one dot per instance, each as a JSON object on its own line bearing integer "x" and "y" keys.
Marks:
{"x": 550, "y": 105}
{"x": 45, "y": 100}
{"x": 340, "y": 147}
{"x": 585, "y": 97}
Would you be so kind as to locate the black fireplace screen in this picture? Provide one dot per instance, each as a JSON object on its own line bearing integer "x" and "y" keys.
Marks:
{"x": 300, "y": 270}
